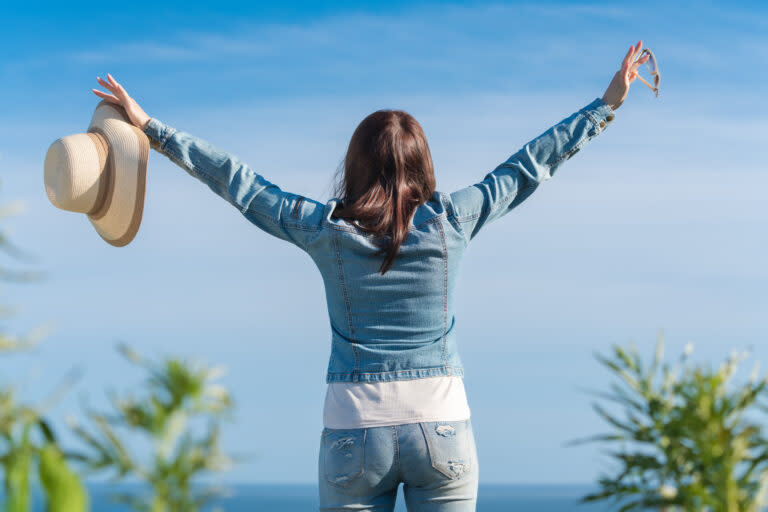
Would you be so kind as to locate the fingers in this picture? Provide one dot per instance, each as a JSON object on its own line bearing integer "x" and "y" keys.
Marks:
{"x": 113, "y": 86}
{"x": 638, "y": 47}
{"x": 632, "y": 71}
{"x": 106, "y": 96}
{"x": 119, "y": 95}
{"x": 110, "y": 87}
{"x": 641, "y": 60}
{"x": 118, "y": 87}
{"x": 631, "y": 54}
{"x": 106, "y": 84}
{"x": 111, "y": 97}
{"x": 103, "y": 83}
{"x": 627, "y": 57}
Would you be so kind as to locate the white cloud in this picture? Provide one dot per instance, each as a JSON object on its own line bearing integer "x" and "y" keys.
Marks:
{"x": 452, "y": 25}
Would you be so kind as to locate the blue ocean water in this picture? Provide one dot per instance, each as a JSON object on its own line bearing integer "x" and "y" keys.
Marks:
{"x": 302, "y": 498}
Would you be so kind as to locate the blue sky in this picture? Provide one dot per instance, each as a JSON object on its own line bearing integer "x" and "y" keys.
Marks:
{"x": 659, "y": 223}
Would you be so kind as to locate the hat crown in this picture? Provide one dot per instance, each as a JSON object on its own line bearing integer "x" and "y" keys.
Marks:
{"x": 74, "y": 166}
{"x": 101, "y": 173}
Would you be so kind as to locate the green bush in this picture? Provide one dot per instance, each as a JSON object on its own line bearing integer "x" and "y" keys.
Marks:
{"x": 684, "y": 440}
{"x": 27, "y": 443}
{"x": 178, "y": 393}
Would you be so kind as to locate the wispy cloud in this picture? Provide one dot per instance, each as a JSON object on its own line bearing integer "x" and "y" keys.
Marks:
{"x": 453, "y": 26}
{"x": 575, "y": 9}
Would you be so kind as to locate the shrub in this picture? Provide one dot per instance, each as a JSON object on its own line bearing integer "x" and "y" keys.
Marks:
{"x": 685, "y": 442}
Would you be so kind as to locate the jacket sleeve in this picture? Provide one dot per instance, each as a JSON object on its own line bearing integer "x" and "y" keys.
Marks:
{"x": 287, "y": 216}
{"x": 514, "y": 180}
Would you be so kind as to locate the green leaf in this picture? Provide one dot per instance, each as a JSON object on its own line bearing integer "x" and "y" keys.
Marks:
{"x": 64, "y": 490}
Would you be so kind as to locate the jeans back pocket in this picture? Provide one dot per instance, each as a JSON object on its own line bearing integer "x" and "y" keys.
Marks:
{"x": 343, "y": 453}
{"x": 450, "y": 447}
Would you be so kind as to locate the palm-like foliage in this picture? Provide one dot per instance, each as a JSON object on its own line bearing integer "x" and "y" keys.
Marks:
{"x": 685, "y": 442}
{"x": 178, "y": 393}
{"x": 26, "y": 440}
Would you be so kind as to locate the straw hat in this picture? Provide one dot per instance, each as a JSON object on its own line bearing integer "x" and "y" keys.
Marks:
{"x": 101, "y": 173}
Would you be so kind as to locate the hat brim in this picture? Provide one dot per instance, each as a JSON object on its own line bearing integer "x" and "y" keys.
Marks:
{"x": 118, "y": 218}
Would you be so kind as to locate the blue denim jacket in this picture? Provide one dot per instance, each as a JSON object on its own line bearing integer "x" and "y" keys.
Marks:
{"x": 399, "y": 325}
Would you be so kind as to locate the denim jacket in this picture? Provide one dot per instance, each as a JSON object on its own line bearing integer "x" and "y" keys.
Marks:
{"x": 399, "y": 325}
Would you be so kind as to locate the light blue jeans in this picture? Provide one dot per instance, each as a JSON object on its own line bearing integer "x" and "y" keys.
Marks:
{"x": 360, "y": 469}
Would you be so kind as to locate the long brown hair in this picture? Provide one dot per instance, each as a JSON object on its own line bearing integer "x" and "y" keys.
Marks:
{"x": 387, "y": 174}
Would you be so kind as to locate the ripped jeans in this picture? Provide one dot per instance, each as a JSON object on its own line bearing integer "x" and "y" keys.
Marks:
{"x": 360, "y": 469}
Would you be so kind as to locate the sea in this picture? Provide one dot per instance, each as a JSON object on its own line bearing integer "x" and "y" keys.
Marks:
{"x": 302, "y": 498}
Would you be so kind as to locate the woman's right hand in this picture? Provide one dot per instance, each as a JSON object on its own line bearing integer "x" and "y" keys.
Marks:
{"x": 120, "y": 97}
{"x": 619, "y": 87}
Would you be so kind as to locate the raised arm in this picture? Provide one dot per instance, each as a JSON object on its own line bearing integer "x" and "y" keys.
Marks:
{"x": 514, "y": 180}
{"x": 287, "y": 216}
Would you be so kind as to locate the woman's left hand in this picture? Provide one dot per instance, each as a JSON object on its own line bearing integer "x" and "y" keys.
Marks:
{"x": 619, "y": 87}
{"x": 135, "y": 113}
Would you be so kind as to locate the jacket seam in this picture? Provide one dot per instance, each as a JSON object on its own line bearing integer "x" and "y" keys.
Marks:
{"x": 347, "y": 304}
{"x": 168, "y": 132}
{"x": 351, "y": 229}
{"x": 580, "y": 144}
{"x": 590, "y": 116}
{"x": 467, "y": 217}
{"x": 430, "y": 371}
{"x": 429, "y": 368}
{"x": 570, "y": 152}
{"x": 303, "y": 227}
{"x": 445, "y": 289}
{"x": 452, "y": 218}
{"x": 498, "y": 205}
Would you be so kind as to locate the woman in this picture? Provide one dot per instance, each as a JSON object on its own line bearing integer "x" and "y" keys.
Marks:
{"x": 388, "y": 248}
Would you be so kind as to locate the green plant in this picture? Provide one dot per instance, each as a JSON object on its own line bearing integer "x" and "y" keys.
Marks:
{"x": 685, "y": 440}
{"x": 26, "y": 439}
{"x": 178, "y": 393}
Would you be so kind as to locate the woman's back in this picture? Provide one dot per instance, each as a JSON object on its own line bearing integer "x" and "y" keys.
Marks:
{"x": 396, "y": 325}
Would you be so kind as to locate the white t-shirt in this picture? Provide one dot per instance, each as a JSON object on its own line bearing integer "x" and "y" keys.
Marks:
{"x": 375, "y": 404}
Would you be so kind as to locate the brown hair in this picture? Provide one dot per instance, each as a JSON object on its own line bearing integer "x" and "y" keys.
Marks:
{"x": 387, "y": 174}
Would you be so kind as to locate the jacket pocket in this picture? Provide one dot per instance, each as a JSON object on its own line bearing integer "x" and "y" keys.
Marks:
{"x": 343, "y": 453}
{"x": 450, "y": 447}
